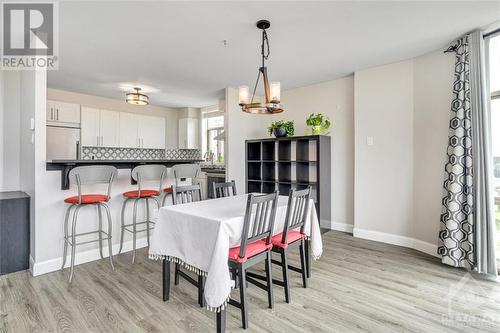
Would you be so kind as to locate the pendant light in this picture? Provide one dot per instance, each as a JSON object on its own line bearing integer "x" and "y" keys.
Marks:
{"x": 271, "y": 91}
{"x": 137, "y": 98}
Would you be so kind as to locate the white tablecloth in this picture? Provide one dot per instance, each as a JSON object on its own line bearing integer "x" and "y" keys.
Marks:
{"x": 198, "y": 235}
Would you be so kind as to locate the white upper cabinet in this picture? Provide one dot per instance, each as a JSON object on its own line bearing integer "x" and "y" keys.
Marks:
{"x": 63, "y": 114}
{"x": 152, "y": 132}
{"x": 90, "y": 135}
{"x": 138, "y": 131}
{"x": 109, "y": 128}
{"x": 188, "y": 133}
{"x": 100, "y": 128}
{"x": 129, "y": 137}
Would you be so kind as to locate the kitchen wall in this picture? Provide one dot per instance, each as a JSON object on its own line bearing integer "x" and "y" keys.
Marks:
{"x": 171, "y": 115}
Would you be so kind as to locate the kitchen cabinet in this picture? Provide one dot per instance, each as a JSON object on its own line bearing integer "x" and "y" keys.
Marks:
{"x": 138, "y": 131}
{"x": 109, "y": 128}
{"x": 188, "y": 133}
{"x": 63, "y": 114}
{"x": 100, "y": 128}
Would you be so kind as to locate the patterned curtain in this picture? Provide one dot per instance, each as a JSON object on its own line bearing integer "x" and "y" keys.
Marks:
{"x": 467, "y": 236}
{"x": 457, "y": 231}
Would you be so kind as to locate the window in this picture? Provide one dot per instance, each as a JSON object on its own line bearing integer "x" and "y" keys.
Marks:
{"x": 494, "y": 68}
{"x": 213, "y": 134}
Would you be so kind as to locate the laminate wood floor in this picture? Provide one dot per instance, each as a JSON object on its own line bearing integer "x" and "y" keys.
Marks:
{"x": 357, "y": 286}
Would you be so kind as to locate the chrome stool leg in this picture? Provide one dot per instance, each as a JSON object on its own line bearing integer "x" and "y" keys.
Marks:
{"x": 73, "y": 242}
{"x": 134, "y": 228}
{"x": 122, "y": 225}
{"x": 65, "y": 251}
{"x": 147, "y": 219}
{"x": 110, "y": 231}
{"x": 99, "y": 212}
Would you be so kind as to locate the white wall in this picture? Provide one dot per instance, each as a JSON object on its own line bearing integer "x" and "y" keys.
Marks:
{"x": 433, "y": 80}
{"x": 392, "y": 190}
{"x": 383, "y": 186}
{"x": 240, "y": 126}
{"x": 401, "y": 203}
{"x": 335, "y": 100}
{"x": 11, "y": 130}
{"x": 171, "y": 115}
{"x": 2, "y": 107}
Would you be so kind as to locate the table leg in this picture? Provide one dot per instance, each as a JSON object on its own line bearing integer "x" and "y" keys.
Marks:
{"x": 308, "y": 258}
{"x": 166, "y": 279}
{"x": 221, "y": 321}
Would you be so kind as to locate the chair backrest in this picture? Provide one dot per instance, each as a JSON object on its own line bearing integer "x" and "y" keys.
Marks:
{"x": 224, "y": 189}
{"x": 93, "y": 174}
{"x": 185, "y": 194}
{"x": 259, "y": 219}
{"x": 185, "y": 171}
{"x": 296, "y": 212}
{"x": 151, "y": 172}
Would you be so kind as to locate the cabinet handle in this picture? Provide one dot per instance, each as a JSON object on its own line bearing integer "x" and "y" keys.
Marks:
{"x": 57, "y": 114}
{"x": 102, "y": 141}
{"x": 142, "y": 143}
{"x": 51, "y": 113}
{"x": 98, "y": 141}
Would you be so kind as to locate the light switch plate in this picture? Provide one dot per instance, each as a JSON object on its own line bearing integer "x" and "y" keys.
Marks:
{"x": 369, "y": 140}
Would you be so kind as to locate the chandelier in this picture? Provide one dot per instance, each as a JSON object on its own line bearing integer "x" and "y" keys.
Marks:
{"x": 137, "y": 98}
{"x": 271, "y": 91}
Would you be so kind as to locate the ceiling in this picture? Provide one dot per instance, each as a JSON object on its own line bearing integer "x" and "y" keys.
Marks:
{"x": 176, "y": 49}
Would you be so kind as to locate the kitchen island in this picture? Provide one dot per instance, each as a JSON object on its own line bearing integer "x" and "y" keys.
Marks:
{"x": 65, "y": 166}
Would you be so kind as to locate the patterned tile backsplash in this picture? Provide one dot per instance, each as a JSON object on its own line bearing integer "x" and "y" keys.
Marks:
{"x": 107, "y": 153}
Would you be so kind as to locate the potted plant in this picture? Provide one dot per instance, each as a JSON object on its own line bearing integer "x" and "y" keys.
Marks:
{"x": 281, "y": 128}
{"x": 319, "y": 123}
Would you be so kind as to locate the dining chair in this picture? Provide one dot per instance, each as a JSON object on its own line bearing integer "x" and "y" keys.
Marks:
{"x": 181, "y": 195}
{"x": 222, "y": 190}
{"x": 141, "y": 174}
{"x": 183, "y": 174}
{"x": 293, "y": 236}
{"x": 255, "y": 247}
{"x": 82, "y": 176}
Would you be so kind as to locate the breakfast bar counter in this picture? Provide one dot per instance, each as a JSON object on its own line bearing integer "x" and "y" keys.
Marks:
{"x": 65, "y": 166}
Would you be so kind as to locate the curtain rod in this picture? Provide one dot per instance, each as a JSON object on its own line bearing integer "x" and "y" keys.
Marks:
{"x": 491, "y": 33}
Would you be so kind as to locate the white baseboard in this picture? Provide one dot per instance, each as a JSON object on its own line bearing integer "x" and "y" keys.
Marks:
{"x": 344, "y": 227}
{"x": 383, "y": 237}
{"x": 39, "y": 268}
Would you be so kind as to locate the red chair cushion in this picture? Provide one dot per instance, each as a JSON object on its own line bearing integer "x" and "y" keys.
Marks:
{"x": 168, "y": 189}
{"x": 144, "y": 194}
{"x": 293, "y": 236}
{"x": 253, "y": 249}
{"x": 87, "y": 199}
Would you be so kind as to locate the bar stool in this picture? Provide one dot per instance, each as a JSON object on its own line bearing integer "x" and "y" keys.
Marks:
{"x": 182, "y": 174}
{"x": 87, "y": 175}
{"x": 141, "y": 174}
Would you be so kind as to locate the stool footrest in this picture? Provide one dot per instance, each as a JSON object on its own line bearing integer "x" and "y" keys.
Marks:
{"x": 68, "y": 239}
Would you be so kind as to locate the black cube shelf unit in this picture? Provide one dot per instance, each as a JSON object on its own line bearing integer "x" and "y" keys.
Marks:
{"x": 295, "y": 162}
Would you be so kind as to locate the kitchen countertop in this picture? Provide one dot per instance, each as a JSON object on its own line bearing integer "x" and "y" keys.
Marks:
{"x": 119, "y": 161}
{"x": 65, "y": 166}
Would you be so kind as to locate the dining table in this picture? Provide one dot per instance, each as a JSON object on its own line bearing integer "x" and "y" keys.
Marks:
{"x": 198, "y": 236}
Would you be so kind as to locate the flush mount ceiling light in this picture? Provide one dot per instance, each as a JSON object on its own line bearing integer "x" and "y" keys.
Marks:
{"x": 137, "y": 98}
{"x": 271, "y": 91}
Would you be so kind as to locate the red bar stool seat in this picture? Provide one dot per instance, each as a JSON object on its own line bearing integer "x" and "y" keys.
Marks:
{"x": 87, "y": 199}
{"x": 168, "y": 189}
{"x": 141, "y": 194}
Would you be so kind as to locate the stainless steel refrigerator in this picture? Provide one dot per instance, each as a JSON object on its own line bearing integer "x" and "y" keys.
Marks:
{"x": 63, "y": 143}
